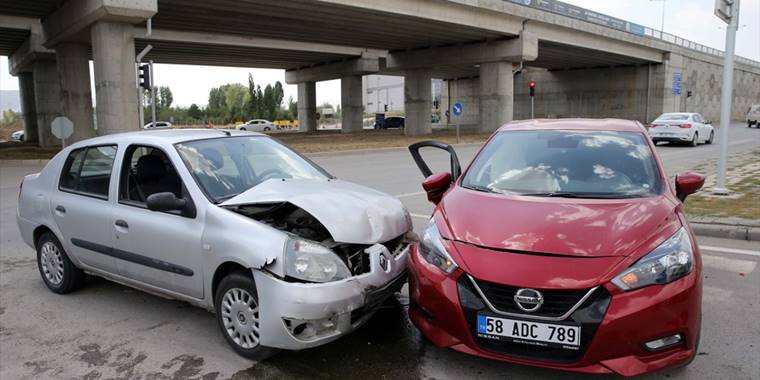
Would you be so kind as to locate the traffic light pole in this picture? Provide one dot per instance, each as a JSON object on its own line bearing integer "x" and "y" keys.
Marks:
{"x": 138, "y": 60}
{"x": 725, "y": 98}
{"x": 153, "y": 97}
{"x": 532, "y": 108}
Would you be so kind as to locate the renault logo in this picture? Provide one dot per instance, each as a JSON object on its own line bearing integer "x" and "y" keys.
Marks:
{"x": 529, "y": 300}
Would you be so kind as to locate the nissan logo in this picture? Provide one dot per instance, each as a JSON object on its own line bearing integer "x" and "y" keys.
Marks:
{"x": 529, "y": 300}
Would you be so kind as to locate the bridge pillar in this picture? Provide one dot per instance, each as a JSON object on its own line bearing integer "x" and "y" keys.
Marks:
{"x": 28, "y": 107}
{"x": 47, "y": 91}
{"x": 113, "y": 53}
{"x": 418, "y": 102}
{"x": 496, "y": 95}
{"x": 662, "y": 99}
{"x": 307, "y": 106}
{"x": 351, "y": 105}
{"x": 76, "y": 96}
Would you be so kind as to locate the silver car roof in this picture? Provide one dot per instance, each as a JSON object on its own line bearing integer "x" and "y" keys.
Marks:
{"x": 163, "y": 136}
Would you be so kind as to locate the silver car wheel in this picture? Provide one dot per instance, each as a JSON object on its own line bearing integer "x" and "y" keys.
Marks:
{"x": 51, "y": 262}
{"x": 240, "y": 316}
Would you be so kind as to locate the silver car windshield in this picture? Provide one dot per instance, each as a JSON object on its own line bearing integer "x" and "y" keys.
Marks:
{"x": 573, "y": 164}
{"x": 226, "y": 167}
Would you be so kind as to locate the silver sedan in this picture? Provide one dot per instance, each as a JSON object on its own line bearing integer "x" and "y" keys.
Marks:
{"x": 287, "y": 256}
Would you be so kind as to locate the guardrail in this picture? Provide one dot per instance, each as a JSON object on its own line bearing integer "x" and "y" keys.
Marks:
{"x": 564, "y": 9}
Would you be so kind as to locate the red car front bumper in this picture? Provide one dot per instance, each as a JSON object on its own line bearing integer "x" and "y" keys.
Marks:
{"x": 614, "y": 344}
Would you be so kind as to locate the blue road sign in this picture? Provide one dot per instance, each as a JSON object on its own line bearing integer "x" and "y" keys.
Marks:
{"x": 457, "y": 108}
{"x": 677, "y": 84}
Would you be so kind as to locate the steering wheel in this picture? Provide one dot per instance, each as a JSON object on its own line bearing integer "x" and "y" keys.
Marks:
{"x": 272, "y": 173}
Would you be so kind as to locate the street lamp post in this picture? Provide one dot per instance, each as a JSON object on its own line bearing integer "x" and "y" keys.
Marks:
{"x": 662, "y": 19}
{"x": 727, "y": 90}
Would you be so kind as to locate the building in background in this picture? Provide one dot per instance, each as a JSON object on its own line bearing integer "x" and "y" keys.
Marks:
{"x": 386, "y": 90}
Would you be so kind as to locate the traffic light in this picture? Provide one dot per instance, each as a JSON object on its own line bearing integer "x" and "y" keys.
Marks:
{"x": 144, "y": 75}
{"x": 688, "y": 94}
{"x": 386, "y": 108}
{"x": 532, "y": 88}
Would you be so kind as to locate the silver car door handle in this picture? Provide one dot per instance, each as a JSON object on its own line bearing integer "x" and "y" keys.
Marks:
{"x": 60, "y": 209}
{"x": 121, "y": 223}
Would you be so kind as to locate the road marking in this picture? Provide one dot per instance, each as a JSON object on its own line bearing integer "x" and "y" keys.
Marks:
{"x": 410, "y": 194}
{"x": 729, "y": 264}
{"x": 420, "y": 216}
{"x": 731, "y": 250}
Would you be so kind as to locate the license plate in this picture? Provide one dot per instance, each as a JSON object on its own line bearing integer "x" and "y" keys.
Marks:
{"x": 529, "y": 332}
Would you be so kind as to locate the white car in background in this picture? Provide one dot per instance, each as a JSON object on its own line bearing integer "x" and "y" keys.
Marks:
{"x": 682, "y": 127}
{"x": 18, "y": 136}
{"x": 257, "y": 125}
{"x": 159, "y": 125}
{"x": 753, "y": 116}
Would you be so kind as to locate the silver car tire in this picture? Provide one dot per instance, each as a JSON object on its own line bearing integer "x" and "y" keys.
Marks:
{"x": 58, "y": 272}
{"x": 236, "y": 304}
{"x": 695, "y": 140}
{"x": 711, "y": 139}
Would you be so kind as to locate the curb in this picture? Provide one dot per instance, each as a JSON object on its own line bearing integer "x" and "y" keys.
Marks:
{"x": 724, "y": 231}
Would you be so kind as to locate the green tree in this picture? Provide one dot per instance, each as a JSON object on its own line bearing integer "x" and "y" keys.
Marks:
{"x": 292, "y": 109}
{"x": 10, "y": 117}
{"x": 236, "y": 97}
{"x": 194, "y": 112}
{"x": 164, "y": 97}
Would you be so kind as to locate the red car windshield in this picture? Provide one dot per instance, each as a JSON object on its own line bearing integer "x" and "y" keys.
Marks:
{"x": 574, "y": 164}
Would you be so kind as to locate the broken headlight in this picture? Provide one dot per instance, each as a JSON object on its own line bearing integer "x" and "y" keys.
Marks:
{"x": 432, "y": 249}
{"x": 668, "y": 262}
{"x": 310, "y": 261}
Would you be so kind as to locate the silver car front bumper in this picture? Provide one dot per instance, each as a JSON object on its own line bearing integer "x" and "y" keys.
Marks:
{"x": 296, "y": 316}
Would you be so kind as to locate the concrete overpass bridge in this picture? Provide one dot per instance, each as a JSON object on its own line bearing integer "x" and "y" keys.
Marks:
{"x": 587, "y": 64}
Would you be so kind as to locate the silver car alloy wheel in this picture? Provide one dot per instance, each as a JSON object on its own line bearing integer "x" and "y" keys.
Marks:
{"x": 240, "y": 316}
{"x": 51, "y": 262}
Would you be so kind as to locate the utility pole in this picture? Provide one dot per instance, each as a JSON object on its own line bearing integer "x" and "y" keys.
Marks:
{"x": 728, "y": 11}
{"x": 153, "y": 98}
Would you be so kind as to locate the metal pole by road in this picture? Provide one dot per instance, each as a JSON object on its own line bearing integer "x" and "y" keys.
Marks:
{"x": 138, "y": 60}
{"x": 153, "y": 97}
{"x": 532, "y": 116}
{"x": 725, "y": 98}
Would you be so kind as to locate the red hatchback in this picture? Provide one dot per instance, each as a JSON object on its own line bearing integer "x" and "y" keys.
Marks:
{"x": 561, "y": 246}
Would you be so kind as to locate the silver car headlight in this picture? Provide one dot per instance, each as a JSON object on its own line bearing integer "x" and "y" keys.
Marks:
{"x": 310, "y": 261}
{"x": 433, "y": 251}
{"x": 671, "y": 260}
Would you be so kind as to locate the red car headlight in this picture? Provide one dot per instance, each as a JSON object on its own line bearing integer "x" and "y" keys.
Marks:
{"x": 433, "y": 250}
{"x": 671, "y": 260}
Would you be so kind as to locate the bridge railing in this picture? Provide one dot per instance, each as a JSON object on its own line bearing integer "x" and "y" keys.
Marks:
{"x": 572, "y": 11}
{"x": 673, "y": 39}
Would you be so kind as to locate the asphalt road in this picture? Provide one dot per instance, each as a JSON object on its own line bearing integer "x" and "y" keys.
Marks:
{"x": 111, "y": 331}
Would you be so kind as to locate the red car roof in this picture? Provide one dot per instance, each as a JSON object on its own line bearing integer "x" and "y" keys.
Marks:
{"x": 576, "y": 124}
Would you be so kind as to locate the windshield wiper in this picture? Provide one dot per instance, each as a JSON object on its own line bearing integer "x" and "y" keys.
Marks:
{"x": 585, "y": 195}
{"x": 482, "y": 188}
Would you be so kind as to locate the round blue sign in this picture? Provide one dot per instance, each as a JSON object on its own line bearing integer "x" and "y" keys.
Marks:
{"x": 457, "y": 108}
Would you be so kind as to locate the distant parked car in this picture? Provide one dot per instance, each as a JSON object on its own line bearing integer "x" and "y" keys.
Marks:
{"x": 159, "y": 125}
{"x": 18, "y": 136}
{"x": 682, "y": 127}
{"x": 753, "y": 116}
{"x": 257, "y": 125}
{"x": 391, "y": 122}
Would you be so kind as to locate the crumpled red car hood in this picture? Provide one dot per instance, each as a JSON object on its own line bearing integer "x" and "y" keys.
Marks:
{"x": 557, "y": 226}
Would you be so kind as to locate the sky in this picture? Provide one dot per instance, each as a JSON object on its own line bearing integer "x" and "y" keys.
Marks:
{"x": 690, "y": 19}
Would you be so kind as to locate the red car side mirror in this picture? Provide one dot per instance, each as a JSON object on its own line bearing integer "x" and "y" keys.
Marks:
{"x": 688, "y": 183}
{"x": 436, "y": 185}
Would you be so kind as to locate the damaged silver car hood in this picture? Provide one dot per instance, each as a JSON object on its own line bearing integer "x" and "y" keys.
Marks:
{"x": 350, "y": 212}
